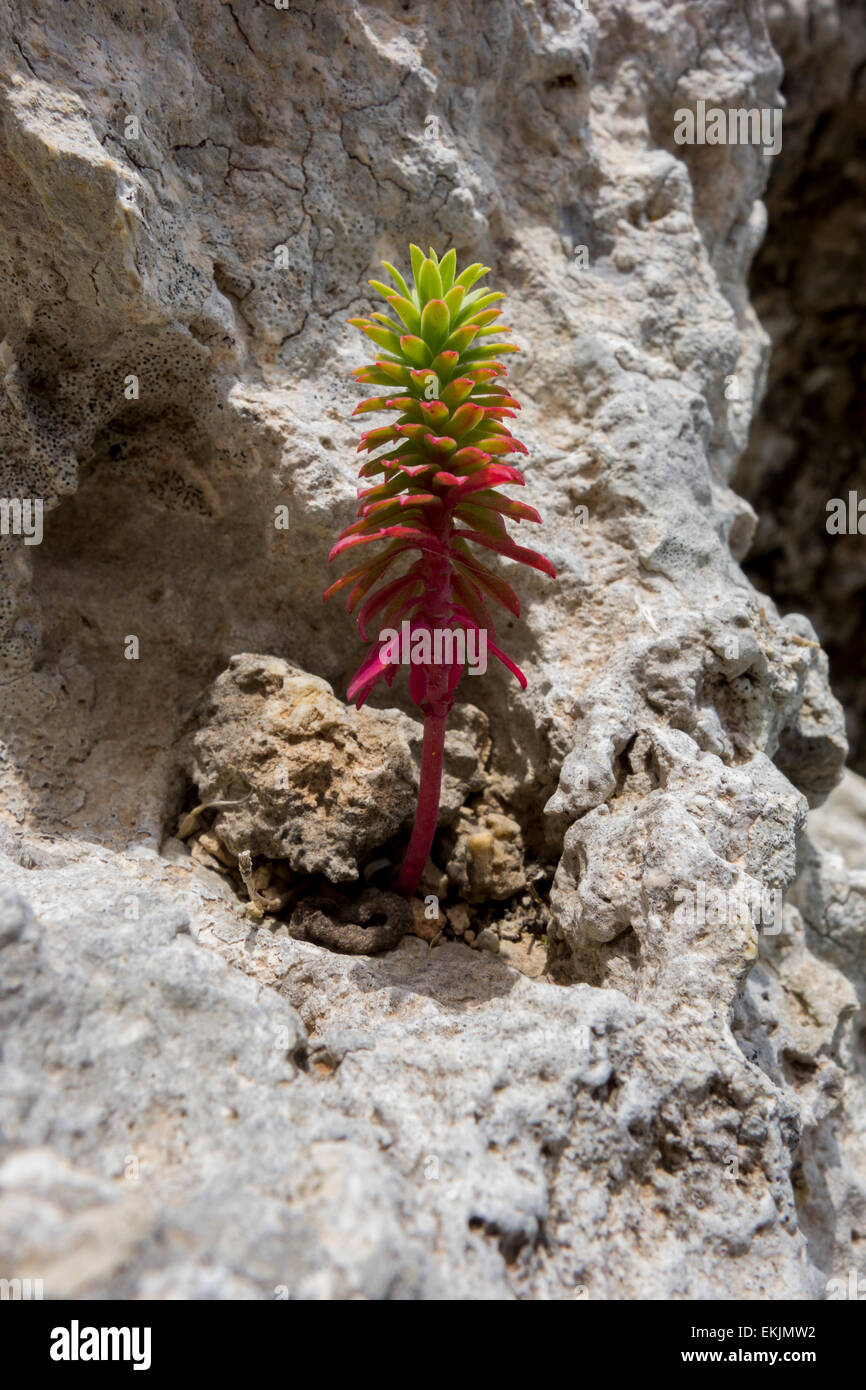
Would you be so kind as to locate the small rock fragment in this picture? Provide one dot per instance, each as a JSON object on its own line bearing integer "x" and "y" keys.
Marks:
{"x": 458, "y": 917}
{"x": 433, "y": 880}
{"x": 426, "y": 926}
{"x": 201, "y": 856}
{"x": 486, "y": 860}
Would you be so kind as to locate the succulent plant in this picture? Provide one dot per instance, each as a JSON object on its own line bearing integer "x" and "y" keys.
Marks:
{"x": 439, "y": 466}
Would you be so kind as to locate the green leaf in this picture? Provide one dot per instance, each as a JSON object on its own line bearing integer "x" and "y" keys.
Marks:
{"x": 466, "y": 417}
{"x": 389, "y": 341}
{"x": 447, "y": 268}
{"x": 471, "y": 274}
{"x": 474, "y": 303}
{"x": 415, "y": 350}
{"x": 418, "y": 258}
{"x": 429, "y": 281}
{"x": 484, "y": 317}
{"x": 388, "y": 323}
{"x": 407, "y": 311}
{"x": 481, "y": 519}
{"x": 397, "y": 278}
{"x": 462, "y": 337}
{"x": 435, "y": 323}
{"x": 518, "y": 511}
{"x": 382, "y": 373}
{"x": 454, "y": 299}
{"x": 457, "y": 392}
{"x": 479, "y": 301}
{"x": 480, "y": 354}
{"x": 443, "y": 365}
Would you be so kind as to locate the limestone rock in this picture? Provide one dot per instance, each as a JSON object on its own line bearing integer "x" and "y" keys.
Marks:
{"x": 307, "y": 778}
{"x": 635, "y": 870}
{"x": 805, "y": 458}
{"x": 802, "y": 1011}
{"x": 193, "y": 199}
{"x": 283, "y": 1108}
{"x": 319, "y": 784}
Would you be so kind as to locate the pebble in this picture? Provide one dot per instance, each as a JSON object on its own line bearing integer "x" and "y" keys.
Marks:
{"x": 458, "y": 918}
{"x": 428, "y": 928}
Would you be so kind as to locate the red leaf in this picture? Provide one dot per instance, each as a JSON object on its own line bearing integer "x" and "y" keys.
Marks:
{"x": 501, "y": 444}
{"x": 512, "y": 551}
{"x": 465, "y": 418}
{"x": 466, "y": 457}
{"x": 441, "y": 444}
{"x": 484, "y": 478}
{"x": 371, "y": 439}
{"x": 370, "y": 671}
{"x": 506, "y": 661}
{"x": 407, "y": 499}
{"x": 490, "y": 582}
{"x": 517, "y": 511}
{"x": 375, "y": 565}
{"x": 470, "y": 596}
{"x": 376, "y": 602}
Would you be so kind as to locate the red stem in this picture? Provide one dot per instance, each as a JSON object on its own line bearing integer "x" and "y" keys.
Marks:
{"x": 427, "y": 813}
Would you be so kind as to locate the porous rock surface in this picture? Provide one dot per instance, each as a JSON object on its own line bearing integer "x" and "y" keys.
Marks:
{"x": 315, "y": 782}
{"x": 806, "y": 447}
{"x": 196, "y": 1106}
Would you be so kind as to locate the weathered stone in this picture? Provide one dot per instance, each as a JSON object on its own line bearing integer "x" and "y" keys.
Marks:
{"x": 423, "y": 1123}
{"x": 485, "y": 855}
{"x": 303, "y": 777}
{"x": 805, "y": 454}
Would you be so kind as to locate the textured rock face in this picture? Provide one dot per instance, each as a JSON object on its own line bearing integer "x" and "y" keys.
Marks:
{"x": 315, "y": 782}
{"x": 802, "y": 1012}
{"x": 806, "y": 447}
{"x": 229, "y": 1111}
